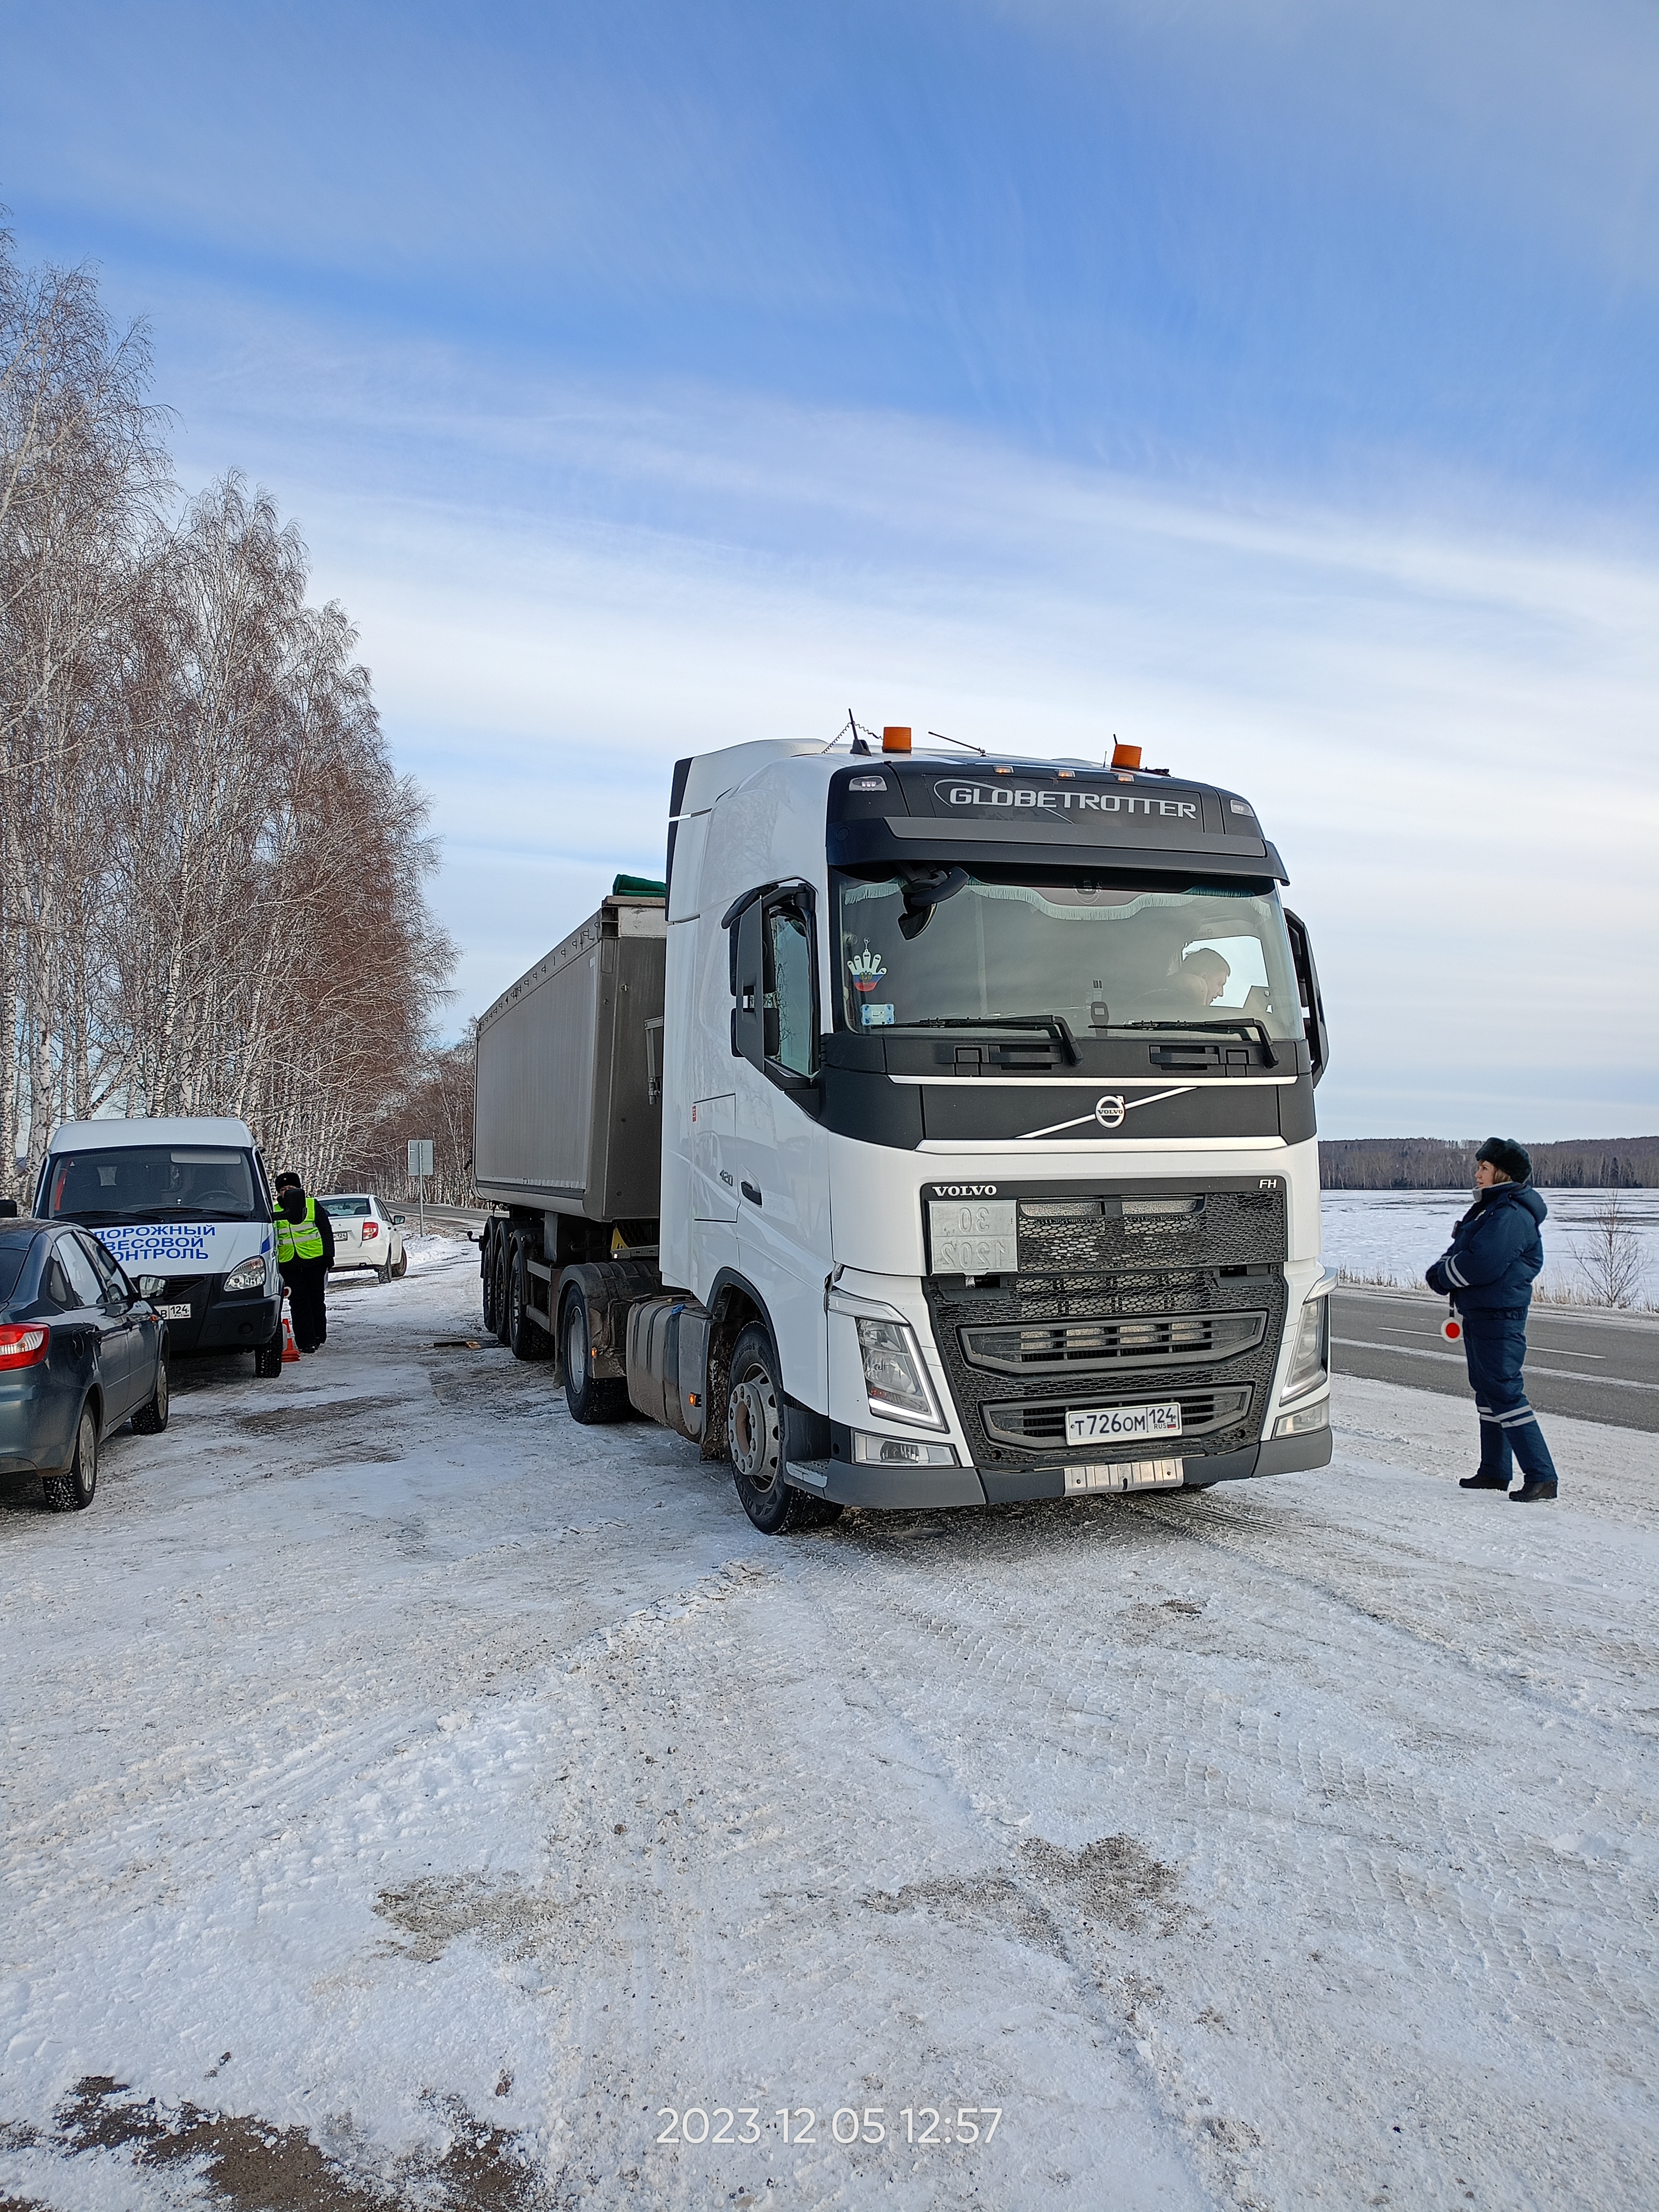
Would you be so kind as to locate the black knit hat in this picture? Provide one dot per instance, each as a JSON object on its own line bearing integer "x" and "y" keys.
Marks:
{"x": 1508, "y": 1158}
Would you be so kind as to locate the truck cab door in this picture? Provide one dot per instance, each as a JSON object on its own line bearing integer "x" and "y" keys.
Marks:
{"x": 783, "y": 1182}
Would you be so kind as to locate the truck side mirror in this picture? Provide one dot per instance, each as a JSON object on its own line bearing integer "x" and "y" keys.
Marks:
{"x": 1307, "y": 986}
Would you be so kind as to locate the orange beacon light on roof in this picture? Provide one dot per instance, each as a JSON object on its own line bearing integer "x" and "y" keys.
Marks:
{"x": 896, "y": 737}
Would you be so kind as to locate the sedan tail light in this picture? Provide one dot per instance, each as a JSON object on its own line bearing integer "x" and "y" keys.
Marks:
{"x": 23, "y": 1344}
{"x": 370, "y": 1229}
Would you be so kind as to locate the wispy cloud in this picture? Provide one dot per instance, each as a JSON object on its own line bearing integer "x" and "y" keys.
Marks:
{"x": 1447, "y": 727}
{"x": 1270, "y": 385}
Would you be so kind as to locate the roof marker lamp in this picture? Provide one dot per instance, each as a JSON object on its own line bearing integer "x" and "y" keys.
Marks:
{"x": 895, "y": 1375}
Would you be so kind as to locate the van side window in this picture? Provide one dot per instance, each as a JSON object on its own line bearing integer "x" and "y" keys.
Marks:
{"x": 791, "y": 1023}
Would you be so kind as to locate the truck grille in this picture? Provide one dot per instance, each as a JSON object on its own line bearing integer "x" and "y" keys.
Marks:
{"x": 1041, "y": 1422}
{"x": 1136, "y": 1296}
{"x": 1104, "y": 1347}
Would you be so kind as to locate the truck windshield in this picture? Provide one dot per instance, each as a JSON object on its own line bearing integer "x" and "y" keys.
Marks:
{"x": 1102, "y": 954}
{"x": 150, "y": 1182}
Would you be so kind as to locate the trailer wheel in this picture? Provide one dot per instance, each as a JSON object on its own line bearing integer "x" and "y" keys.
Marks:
{"x": 500, "y": 1269}
{"x": 526, "y": 1337}
{"x": 487, "y": 1275}
{"x": 592, "y": 1399}
{"x": 755, "y": 1416}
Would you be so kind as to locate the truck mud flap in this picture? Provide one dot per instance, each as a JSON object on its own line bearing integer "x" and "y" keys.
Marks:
{"x": 611, "y": 1288}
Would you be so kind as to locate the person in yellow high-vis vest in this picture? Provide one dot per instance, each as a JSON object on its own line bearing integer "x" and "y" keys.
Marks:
{"x": 305, "y": 1252}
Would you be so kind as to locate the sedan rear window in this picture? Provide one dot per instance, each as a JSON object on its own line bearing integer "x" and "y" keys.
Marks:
{"x": 346, "y": 1209}
{"x": 13, "y": 1253}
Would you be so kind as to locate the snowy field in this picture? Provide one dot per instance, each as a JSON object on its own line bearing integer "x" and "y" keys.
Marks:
{"x": 1397, "y": 1233}
{"x": 413, "y": 1799}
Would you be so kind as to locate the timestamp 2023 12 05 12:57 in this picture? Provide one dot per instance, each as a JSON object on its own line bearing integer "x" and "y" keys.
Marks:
{"x": 932, "y": 2127}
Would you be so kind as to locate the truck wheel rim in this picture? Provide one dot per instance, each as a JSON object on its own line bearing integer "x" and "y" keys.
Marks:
{"x": 749, "y": 1422}
{"x": 576, "y": 1342}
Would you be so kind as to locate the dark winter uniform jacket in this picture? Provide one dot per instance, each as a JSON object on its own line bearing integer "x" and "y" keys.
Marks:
{"x": 1495, "y": 1251}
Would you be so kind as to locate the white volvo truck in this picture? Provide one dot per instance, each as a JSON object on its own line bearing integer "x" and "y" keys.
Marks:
{"x": 945, "y": 1136}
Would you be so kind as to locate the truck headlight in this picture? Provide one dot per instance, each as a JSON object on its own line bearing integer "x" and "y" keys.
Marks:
{"x": 1308, "y": 1358}
{"x": 250, "y": 1276}
{"x": 895, "y": 1378}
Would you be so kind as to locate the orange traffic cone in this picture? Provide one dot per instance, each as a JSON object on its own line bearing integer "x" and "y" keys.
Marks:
{"x": 290, "y": 1350}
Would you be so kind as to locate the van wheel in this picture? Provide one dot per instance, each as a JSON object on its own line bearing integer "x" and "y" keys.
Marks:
{"x": 72, "y": 1490}
{"x": 149, "y": 1420}
{"x": 592, "y": 1399}
{"x": 755, "y": 1416}
{"x": 268, "y": 1359}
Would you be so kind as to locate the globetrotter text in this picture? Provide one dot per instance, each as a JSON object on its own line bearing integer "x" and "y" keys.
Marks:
{"x": 1065, "y": 802}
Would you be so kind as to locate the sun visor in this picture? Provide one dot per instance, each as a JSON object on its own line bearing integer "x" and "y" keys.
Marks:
{"x": 922, "y": 810}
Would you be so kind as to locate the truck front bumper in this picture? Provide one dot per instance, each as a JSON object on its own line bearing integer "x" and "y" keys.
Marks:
{"x": 846, "y": 1482}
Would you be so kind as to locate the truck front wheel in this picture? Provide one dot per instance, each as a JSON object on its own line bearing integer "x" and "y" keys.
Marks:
{"x": 755, "y": 1417}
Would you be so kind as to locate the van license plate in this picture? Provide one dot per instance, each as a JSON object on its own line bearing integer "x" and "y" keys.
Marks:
{"x": 1101, "y": 1424}
{"x": 1125, "y": 1474}
{"x": 175, "y": 1313}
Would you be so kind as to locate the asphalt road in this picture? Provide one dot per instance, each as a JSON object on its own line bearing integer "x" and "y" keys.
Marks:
{"x": 1598, "y": 1367}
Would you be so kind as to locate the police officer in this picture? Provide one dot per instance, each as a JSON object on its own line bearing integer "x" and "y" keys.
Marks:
{"x": 305, "y": 1252}
{"x": 1487, "y": 1271}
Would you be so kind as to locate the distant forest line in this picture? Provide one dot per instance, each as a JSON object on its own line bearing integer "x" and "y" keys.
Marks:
{"x": 1438, "y": 1163}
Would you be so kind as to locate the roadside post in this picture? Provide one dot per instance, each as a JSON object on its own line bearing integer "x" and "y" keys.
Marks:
{"x": 420, "y": 1167}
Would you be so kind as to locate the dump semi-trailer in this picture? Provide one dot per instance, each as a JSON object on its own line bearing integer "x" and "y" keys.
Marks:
{"x": 944, "y": 1136}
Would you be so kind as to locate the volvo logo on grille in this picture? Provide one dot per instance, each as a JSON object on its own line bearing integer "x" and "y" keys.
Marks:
{"x": 963, "y": 1190}
{"x": 1109, "y": 1112}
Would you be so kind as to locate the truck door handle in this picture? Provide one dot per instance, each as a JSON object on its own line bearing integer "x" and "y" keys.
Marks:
{"x": 751, "y": 1193}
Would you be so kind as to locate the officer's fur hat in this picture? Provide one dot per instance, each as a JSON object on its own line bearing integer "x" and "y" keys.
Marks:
{"x": 1510, "y": 1158}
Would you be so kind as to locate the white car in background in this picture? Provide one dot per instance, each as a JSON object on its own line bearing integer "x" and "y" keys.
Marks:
{"x": 365, "y": 1234}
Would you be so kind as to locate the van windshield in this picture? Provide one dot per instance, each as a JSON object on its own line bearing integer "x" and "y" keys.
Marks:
{"x": 1104, "y": 955}
{"x": 150, "y": 1182}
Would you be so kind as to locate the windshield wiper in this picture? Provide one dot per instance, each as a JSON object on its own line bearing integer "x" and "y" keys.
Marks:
{"x": 1246, "y": 1025}
{"x": 1056, "y": 1026}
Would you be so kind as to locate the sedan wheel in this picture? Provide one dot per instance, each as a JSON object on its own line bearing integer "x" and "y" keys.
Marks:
{"x": 72, "y": 1490}
{"x": 149, "y": 1420}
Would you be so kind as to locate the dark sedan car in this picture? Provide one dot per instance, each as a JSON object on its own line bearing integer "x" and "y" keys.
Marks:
{"x": 80, "y": 1353}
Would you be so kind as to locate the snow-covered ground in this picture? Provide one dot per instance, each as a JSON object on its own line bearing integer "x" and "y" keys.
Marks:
{"x": 1396, "y": 1233}
{"x": 413, "y": 1798}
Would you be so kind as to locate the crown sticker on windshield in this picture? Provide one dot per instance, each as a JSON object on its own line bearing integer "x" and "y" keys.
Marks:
{"x": 865, "y": 969}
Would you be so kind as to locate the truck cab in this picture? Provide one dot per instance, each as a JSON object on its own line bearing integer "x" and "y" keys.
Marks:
{"x": 988, "y": 1166}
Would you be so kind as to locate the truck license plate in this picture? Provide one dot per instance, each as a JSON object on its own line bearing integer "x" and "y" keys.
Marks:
{"x": 174, "y": 1312}
{"x": 1099, "y": 1425}
{"x": 1125, "y": 1474}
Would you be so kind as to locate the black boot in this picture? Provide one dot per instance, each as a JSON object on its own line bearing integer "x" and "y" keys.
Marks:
{"x": 1535, "y": 1486}
{"x": 1484, "y": 1479}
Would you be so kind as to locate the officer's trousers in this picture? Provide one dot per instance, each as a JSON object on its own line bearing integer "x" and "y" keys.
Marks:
{"x": 305, "y": 1279}
{"x": 1495, "y": 1344}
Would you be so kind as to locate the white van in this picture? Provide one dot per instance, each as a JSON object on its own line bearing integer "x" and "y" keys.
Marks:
{"x": 185, "y": 1206}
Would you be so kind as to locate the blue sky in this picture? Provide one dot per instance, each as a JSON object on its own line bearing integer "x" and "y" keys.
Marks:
{"x": 1273, "y": 384}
